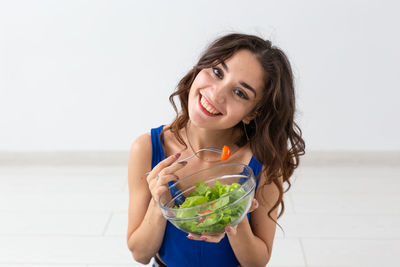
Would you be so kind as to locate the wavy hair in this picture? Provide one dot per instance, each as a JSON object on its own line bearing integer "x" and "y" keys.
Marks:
{"x": 275, "y": 139}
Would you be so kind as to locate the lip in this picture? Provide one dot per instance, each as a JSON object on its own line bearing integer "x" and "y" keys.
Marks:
{"x": 206, "y": 111}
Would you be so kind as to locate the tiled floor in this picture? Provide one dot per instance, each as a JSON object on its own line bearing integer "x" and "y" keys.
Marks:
{"x": 76, "y": 215}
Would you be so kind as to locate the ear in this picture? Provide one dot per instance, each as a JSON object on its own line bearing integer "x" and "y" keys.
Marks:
{"x": 251, "y": 116}
{"x": 246, "y": 121}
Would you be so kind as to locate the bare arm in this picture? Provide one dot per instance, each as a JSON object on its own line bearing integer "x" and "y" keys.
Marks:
{"x": 252, "y": 244}
{"x": 146, "y": 224}
{"x": 144, "y": 217}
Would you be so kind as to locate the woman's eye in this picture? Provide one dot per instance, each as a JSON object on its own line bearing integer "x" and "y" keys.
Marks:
{"x": 217, "y": 71}
{"x": 241, "y": 94}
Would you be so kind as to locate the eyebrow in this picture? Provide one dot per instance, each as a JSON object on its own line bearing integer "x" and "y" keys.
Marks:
{"x": 242, "y": 83}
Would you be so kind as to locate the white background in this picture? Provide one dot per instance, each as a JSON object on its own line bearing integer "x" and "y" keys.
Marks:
{"x": 93, "y": 75}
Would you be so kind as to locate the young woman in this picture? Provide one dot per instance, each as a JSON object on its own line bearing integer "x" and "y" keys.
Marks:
{"x": 239, "y": 94}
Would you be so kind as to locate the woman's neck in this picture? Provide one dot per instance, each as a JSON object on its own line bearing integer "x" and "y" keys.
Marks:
{"x": 201, "y": 138}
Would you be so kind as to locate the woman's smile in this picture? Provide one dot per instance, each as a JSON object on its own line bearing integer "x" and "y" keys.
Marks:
{"x": 207, "y": 107}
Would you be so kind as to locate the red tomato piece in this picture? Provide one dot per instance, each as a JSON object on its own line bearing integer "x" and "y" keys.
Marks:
{"x": 226, "y": 152}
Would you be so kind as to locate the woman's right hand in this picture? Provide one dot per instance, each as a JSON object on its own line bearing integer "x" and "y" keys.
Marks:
{"x": 163, "y": 173}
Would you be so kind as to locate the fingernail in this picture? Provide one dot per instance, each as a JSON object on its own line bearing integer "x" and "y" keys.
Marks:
{"x": 183, "y": 163}
{"x": 256, "y": 203}
{"x": 177, "y": 155}
{"x": 228, "y": 229}
{"x": 189, "y": 236}
{"x": 203, "y": 238}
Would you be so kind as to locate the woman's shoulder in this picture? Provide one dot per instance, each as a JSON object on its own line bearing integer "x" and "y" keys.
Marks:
{"x": 142, "y": 144}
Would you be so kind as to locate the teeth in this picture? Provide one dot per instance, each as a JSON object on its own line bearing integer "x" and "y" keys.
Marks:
{"x": 207, "y": 107}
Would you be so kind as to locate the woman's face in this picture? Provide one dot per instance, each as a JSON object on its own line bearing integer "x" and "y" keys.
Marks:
{"x": 225, "y": 94}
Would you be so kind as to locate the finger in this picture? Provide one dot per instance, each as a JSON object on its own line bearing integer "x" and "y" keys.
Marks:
{"x": 254, "y": 205}
{"x": 194, "y": 237}
{"x": 165, "y": 179}
{"x": 207, "y": 238}
{"x": 150, "y": 177}
{"x": 174, "y": 167}
{"x": 212, "y": 238}
{"x": 231, "y": 230}
{"x": 165, "y": 163}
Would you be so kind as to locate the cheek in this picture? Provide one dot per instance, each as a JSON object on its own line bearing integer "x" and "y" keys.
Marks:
{"x": 202, "y": 79}
{"x": 239, "y": 112}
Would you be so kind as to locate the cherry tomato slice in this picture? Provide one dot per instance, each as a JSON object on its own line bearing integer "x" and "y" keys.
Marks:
{"x": 205, "y": 211}
{"x": 226, "y": 152}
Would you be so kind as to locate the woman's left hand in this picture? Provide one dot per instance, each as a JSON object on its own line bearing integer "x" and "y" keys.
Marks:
{"x": 229, "y": 230}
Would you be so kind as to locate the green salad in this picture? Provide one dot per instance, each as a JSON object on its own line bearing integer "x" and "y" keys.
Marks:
{"x": 215, "y": 222}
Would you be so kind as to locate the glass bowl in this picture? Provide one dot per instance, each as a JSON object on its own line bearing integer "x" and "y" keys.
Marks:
{"x": 210, "y": 199}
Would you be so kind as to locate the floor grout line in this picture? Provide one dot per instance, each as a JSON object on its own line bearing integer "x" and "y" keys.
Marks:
{"x": 124, "y": 186}
{"x": 42, "y": 263}
{"x": 303, "y": 252}
{"x": 39, "y": 263}
{"x": 59, "y": 235}
{"x": 342, "y": 238}
{"x": 107, "y": 223}
{"x": 292, "y": 203}
{"x": 342, "y": 214}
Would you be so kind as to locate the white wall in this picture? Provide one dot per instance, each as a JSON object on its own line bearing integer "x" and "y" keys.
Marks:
{"x": 93, "y": 75}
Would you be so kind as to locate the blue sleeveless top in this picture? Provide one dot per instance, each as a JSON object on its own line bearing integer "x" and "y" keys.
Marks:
{"x": 176, "y": 249}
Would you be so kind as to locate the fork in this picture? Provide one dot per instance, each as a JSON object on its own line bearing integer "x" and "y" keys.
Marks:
{"x": 225, "y": 153}
{"x": 213, "y": 149}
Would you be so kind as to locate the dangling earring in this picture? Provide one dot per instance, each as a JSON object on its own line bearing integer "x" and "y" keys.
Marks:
{"x": 245, "y": 132}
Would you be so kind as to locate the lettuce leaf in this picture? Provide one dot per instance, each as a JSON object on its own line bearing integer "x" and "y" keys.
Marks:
{"x": 217, "y": 221}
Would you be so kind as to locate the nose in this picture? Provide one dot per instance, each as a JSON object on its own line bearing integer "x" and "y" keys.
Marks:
{"x": 219, "y": 93}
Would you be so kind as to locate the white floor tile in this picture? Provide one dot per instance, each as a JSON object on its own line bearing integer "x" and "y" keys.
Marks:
{"x": 61, "y": 183}
{"x": 49, "y": 223}
{"x": 347, "y": 180}
{"x": 134, "y": 264}
{"x": 348, "y": 171}
{"x": 286, "y": 252}
{"x": 326, "y": 184}
{"x": 72, "y": 201}
{"x": 346, "y": 203}
{"x": 348, "y": 252}
{"x": 289, "y": 208}
{"x": 64, "y": 249}
{"x": 48, "y": 170}
{"x": 41, "y": 265}
{"x": 118, "y": 224}
{"x": 341, "y": 226}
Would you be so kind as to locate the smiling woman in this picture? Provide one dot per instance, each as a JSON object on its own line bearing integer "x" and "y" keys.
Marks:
{"x": 224, "y": 93}
{"x": 239, "y": 94}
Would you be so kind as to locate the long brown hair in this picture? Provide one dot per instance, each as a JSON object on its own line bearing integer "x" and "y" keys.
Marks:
{"x": 275, "y": 139}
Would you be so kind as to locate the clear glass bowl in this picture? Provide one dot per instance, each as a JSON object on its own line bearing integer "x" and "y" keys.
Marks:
{"x": 212, "y": 216}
